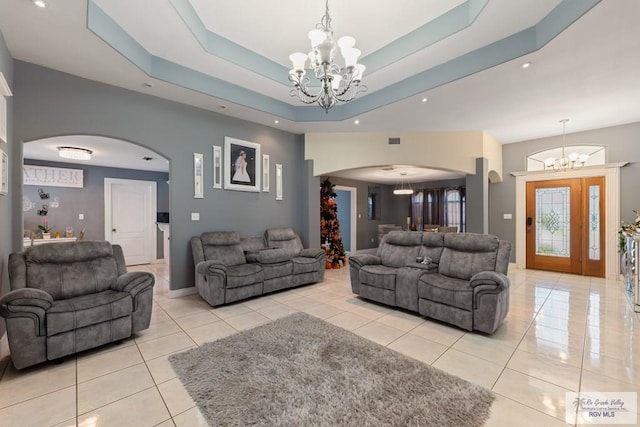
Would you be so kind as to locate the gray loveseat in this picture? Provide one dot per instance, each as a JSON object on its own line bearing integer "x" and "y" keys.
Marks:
{"x": 69, "y": 297}
{"x": 465, "y": 283}
{"x": 228, "y": 268}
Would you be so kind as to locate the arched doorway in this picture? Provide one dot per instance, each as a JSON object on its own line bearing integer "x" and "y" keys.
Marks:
{"x": 79, "y": 209}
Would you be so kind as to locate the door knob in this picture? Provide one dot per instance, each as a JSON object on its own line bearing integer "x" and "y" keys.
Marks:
{"x": 113, "y": 229}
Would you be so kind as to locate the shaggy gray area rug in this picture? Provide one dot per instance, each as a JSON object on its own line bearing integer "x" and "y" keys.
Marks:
{"x": 302, "y": 371}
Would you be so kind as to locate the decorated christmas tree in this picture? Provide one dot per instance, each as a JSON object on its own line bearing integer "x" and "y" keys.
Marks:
{"x": 330, "y": 227}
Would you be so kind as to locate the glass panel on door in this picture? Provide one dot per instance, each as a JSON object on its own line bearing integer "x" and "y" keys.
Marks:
{"x": 553, "y": 221}
{"x": 594, "y": 222}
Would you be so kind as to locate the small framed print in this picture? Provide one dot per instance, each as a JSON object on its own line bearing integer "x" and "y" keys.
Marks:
{"x": 217, "y": 166}
{"x": 242, "y": 165}
{"x": 278, "y": 181}
{"x": 198, "y": 178}
{"x": 4, "y": 173}
{"x": 265, "y": 173}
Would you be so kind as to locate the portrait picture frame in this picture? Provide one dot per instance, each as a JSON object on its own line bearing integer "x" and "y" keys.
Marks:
{"x": 278, "y": 181}
{"x": 265, "y": 173}
{"x": 198, "y": 176}
{"x": 4, "y": 173}
{"x": 242, "y": 165}
{"x": 217, "y": 167}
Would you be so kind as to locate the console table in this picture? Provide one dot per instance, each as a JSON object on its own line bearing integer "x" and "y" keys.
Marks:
{"x": 27, "y": 241}
{"x": 630, "y": 264}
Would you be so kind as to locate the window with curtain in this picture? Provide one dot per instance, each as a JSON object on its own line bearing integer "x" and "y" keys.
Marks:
{"x": 440, "y": 206}
{"x": 417, "y": 208}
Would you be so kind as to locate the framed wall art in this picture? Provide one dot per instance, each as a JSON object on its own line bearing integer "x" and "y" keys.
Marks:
{"x": 278, "y": 181}
{"x": 4, "y": 173}
{"x": 198, "y": 176}
{"x": 242, "y": 163}
{"x": 217, "y": 166}
{"x": 265, "y": 173}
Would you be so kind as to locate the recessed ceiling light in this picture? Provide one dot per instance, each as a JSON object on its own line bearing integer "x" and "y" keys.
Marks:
{"x": 40, "y": 3}
{"x": 526, "y": 65}
{"x": 276, "y": 121}
{"x": 425, "y": 99}
{"x": 357, "y": 122}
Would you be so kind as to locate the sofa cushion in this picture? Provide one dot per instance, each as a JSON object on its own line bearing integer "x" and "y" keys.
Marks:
{"x": 274, "y": 270}
{"x": 223, "y": 246}
{"x": 68, "y": 279}
{"x": 284, "y": 238}
{"x": 466, "y": 254}
{"x": 305, "y": 265}
{"x": 432, "y": 245}
{"x": 399, "y": 247}
{"x": 446, "y": 290}
{"x": 378, "y": 276}
{"x": 78, "y": 312}
{"x": 244, "y": 275}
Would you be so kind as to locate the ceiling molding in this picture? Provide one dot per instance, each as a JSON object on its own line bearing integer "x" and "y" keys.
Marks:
{"x": 501, "y": 51}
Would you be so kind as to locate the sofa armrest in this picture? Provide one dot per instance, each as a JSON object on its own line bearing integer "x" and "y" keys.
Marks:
{"x": 490, "y": 278}
{"x": 211, "y": 267}
{"x": 133, "y": 282}
{"x": 360, "y": 259}
{"x": 313, "y": 253}
{"x": 24, "y": 297}
{"x": 273, "y": 256}
{"x": 27, "y": 302}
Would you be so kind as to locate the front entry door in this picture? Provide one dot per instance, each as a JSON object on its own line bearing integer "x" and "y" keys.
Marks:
{"x": 565, "y": 226}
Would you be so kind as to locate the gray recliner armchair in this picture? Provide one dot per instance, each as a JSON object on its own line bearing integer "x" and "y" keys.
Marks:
{"x": 70, "y": 297}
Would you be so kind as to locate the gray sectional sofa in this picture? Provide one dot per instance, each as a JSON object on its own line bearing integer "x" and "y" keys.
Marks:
{"x": 465, "y": 283}
{"x": 229, "y": 268}
{"x": 69, "y": 297}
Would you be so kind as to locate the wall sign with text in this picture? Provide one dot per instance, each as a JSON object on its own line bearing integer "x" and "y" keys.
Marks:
{"x": 53, "y": 177}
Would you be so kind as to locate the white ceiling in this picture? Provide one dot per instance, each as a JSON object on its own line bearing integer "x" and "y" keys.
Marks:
{"x": 588, "y": 72}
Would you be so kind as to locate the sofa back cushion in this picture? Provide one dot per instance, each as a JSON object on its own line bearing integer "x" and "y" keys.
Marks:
{"x": 71, "y": 269}
{"x": 284, "y": 238}
{"x": 223, "y": 246}
{"x": 400, "y": 247}
{"x": 466, "y": 254}
{"x": 432, "y": 245}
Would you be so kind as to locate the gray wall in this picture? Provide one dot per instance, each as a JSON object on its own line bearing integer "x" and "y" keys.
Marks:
{"x": 52, "y": 103}
{"x": 88, "y": 200}
{"x": 623, "y": 145}
{"x": 6, "y": 202}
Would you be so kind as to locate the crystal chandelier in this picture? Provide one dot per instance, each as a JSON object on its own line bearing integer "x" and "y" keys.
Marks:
{"x": 337, "y": 84}
{"x": 565, "y": 162}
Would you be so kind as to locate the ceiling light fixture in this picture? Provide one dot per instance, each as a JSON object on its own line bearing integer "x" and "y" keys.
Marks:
{"x": 74, "y": 153}
{"x": 565, "y": 162}
{"x": 404, "y": 187}
{"x": 40, "y": 3}
{"x": 338, "y": 84}
{"x": 526, "y": 65}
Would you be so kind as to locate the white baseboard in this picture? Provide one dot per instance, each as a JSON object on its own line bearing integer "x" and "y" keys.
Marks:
{"x": 177, "y": 293}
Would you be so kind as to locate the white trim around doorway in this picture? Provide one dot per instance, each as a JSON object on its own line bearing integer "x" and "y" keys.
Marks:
{"x": 354, "y": 214}
{"x": 611, "y": 172}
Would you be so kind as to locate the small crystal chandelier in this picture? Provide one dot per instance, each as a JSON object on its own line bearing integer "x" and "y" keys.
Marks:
{"x": 565, "y": 162}
{"x": 338, "y": 84}
{"x": 404, "y": 187}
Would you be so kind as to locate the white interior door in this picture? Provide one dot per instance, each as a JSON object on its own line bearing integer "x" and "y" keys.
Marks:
{"x": 130, "y": 215}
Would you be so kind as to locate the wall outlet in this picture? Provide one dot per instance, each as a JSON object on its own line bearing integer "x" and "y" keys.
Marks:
{"x": 80, "y": 216}
{"x": 372, "y": 240}
{"x": 195, "y": 216}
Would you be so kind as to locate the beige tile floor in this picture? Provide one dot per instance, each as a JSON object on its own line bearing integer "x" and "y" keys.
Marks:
{"x": 563, "y": 333}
